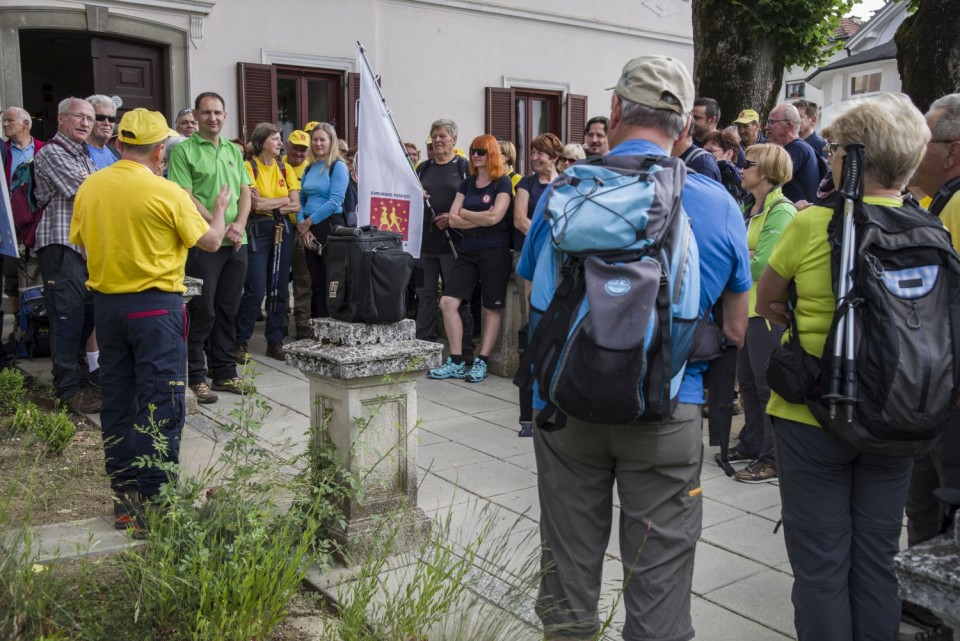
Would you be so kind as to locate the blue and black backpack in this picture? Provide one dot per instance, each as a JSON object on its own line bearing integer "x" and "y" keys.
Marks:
{"x": 615, "y": 301}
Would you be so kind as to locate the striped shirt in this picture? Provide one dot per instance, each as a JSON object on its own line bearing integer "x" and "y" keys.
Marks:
{"x": 58, "y": 173}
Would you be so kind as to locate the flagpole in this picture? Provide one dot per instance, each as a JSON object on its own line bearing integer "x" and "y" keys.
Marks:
{"x": 396, "y": 132}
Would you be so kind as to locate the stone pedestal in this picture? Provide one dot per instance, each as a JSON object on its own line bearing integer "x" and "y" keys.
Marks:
{"x": 929, "y": 575}
{"x": 194, "y": 288}
{"x": 370, "y": 421}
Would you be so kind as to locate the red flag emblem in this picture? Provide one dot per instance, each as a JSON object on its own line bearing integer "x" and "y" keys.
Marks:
{"x": 390, "y": 214}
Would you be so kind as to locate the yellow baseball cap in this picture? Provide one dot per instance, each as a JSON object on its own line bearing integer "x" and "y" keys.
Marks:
{"x": 142, "y": 127}
{"x": 298, "y": 137}
{"x": 310, "y": 126}
{"x": 747, "y": 116}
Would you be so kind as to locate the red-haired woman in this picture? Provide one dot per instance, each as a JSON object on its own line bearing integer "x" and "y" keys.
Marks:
{"x": 478, "y": 210}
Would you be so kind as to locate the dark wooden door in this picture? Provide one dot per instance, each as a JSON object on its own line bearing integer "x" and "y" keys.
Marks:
{"x": 132, "y": 70}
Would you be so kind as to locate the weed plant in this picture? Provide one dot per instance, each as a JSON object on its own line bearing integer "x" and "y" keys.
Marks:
{"x": 12, "y": 391}
{"x": 53, "y": 430}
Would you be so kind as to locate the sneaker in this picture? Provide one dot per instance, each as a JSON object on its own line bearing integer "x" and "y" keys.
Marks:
{"x": 125, "y": 503}
{"x": 86, "y": 401}
{"x": 240, "y": 353}
{"x": 275, "y": 350}
{"x": 448, "y": 370}
{"x": 734, "y": 455}
{"x": 478, "y": 372}
{"x": 757, "y": 472}
{"x": 235, "y": 385}
{"x": 203, "y": 393}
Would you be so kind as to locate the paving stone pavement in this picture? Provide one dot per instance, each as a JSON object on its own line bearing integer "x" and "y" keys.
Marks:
{"x": 472, "y": 462}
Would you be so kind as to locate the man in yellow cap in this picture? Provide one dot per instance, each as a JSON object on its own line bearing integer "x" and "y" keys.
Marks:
{"x": 748, "y": 125}
{"x": 298, "y": 144}
{"x": 135, "y": 259}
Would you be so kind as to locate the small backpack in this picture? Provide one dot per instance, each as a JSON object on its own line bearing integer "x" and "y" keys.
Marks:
{"x": 906, "y": 303}
{"x": 615, "y": 301}
{"x": 27, "y": 211}
{"x": 32, "y": 334}
{"x": 731, "y": 181}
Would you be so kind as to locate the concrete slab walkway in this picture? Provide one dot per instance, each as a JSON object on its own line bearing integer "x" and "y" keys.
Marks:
{"x": 472, "y": 461}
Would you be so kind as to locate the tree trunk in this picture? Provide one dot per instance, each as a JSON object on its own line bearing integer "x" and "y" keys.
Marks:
{"x": 928, "y": 52}
{"x": 730, "y": 65}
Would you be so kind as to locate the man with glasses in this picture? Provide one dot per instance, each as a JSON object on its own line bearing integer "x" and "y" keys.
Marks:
{"x": 99, "y": 148}
{"x": 782, "y": 128}
{"x": 938, "y": 176}
{"x": 59, "y": 170}
{"x": 185, "y": 123}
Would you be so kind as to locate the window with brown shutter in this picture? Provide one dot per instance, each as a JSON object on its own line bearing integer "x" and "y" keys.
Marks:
{"x": 257, "y": 100}
{"x": 353, "y": 96}
{"x": 576, "y": 118}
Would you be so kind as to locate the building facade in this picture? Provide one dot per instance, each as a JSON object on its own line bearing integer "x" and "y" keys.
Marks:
{"x": 513, "y": 70}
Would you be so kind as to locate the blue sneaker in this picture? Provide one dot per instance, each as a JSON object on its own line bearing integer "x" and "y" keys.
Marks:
{"x": 478, "y": 372}
{"x": 448, "y": 370}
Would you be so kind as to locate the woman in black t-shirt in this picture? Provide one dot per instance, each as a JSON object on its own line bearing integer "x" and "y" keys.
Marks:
{"x": 545, "y": 152}
{"x": 478, "y": 210}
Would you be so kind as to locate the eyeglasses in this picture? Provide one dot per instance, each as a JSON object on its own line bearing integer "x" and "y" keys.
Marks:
{"x": 83, "y": 117}
{"x": 944, "y": 142}
{"x": 747, "y": 164}
{"x": 105, "y": 117}
{"x": 831, "y": 148}
{"x": 565, "y": 159}
{"x": 478, "y": 152}
{"x": 771, "y": 121}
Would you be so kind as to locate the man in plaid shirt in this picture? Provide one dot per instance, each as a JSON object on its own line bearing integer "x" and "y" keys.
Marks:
{"x": 60, "y": 167}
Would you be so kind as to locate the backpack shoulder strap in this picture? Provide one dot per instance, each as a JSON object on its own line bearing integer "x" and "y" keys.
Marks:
{"x": 943, "y": 196}
{"x": 283, "y": 168}
{"x": 115, "y": 152}
{"x": 253, "y": 168}
{"x": 697, "y": 152}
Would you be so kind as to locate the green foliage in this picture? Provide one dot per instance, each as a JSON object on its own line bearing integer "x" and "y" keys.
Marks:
{"x": 54, "y": 430}
{"x": 226, "y": 554}
{"x": 12, "y": 391}
{"x": 802, "y": 29}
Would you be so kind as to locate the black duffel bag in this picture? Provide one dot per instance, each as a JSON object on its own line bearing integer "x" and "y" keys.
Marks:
{"x": 367, "y": 275}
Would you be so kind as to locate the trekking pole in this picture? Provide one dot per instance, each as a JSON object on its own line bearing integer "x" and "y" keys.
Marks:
{"x": 273, "y": 295}
{"x": 841, "y": 364}
{"x": 446, "y": 232}
{"x": 852, "y": 192}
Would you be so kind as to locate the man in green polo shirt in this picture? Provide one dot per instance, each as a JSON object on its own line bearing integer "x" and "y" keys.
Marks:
{"x": 201, "y": 164}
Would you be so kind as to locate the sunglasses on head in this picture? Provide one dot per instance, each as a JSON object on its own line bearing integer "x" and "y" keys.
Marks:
{"x": 102, "y": 117}
{"x": 477, "y": 152}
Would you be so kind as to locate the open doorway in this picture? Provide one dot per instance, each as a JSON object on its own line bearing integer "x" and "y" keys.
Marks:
{"x": 57, "y": 64}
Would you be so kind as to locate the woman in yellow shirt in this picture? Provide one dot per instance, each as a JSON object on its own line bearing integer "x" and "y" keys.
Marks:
{"x": 766, "y": 168}
{"x": 842, "y": 508}
{"x": 276, "y": 194}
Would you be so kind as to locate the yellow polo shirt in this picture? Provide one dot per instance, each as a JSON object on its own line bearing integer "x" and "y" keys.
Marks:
{"x": 136, "y": 228}
{"x": 271, "y": 183}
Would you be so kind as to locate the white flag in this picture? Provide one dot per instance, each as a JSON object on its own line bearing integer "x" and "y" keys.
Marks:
{"x": 389, "y": 192}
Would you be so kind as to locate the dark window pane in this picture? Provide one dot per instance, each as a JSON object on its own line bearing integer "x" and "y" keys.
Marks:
{"x": 288, "y": 111}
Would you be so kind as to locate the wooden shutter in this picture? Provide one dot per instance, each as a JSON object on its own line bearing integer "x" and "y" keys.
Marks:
{"x": 353, "y": 96}
{"x": 499, "y": 117}
{"x": 257, "y": 99}
{"x": 576, "y": 118}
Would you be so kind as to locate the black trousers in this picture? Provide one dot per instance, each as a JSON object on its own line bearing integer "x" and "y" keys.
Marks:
{"x": 213, "y": 314}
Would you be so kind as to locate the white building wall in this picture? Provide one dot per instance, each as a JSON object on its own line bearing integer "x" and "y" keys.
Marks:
{"x": 435, "y": 57}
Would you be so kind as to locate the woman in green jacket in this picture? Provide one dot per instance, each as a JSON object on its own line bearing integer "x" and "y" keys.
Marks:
{"x": 766, "y": 169}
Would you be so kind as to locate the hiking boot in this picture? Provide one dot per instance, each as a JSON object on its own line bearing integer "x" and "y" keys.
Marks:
{"x": 85, "y": 401}
{"x": 125, "y": 503}
{"x": 303, "y": 333}
{"x": 203, "y": 393}
{"x": 235, "y": 385}
{"x": 448, "y": 370}
{"x": 240, "y": 353}
{"x": 757, "y": 472}
{"x": 478, "y": 372}
{"x": 275, "y": 350}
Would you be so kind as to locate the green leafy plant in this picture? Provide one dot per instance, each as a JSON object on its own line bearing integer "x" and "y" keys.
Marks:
{"x": 12, "y": 391}
{"x": 54, "y": 430}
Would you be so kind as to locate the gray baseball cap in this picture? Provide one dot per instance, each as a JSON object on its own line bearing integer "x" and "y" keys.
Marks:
{"x": 647, "y": 79}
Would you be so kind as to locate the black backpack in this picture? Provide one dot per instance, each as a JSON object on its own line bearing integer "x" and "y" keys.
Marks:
{"x": 906, "y": 303}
